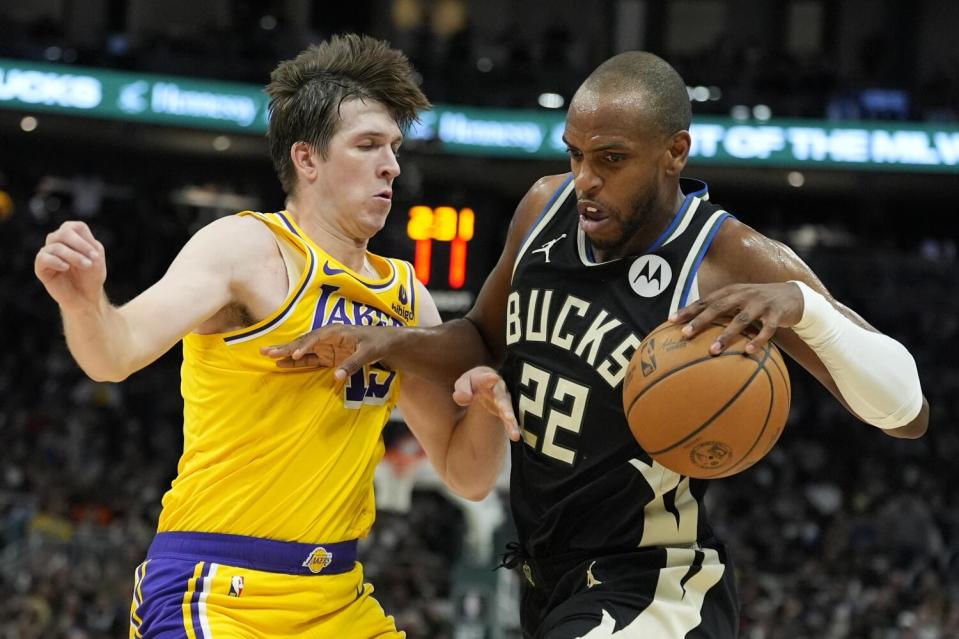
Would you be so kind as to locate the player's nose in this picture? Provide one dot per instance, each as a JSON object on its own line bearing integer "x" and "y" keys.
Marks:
{"x": 390, "y": 166}
{"x": 586, "y": 181}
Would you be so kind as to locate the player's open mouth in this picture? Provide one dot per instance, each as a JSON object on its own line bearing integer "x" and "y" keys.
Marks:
{"x": 384, "y": 195}
{"x": 591, "y": 216}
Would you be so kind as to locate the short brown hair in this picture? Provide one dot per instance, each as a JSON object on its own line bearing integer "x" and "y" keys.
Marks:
{"x": 306, "y": 93}
{"x": 666, "y": 101}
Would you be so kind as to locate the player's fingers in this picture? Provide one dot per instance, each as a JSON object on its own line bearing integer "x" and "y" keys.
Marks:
{"x": 735, "y": 326}
{"x": 746, "y": 316}
{"x": 312, "y": 341}
{"x": 491, "y": 386}
{"x": 69, "y": 255}
{"x": 306, "y": 344}
{"x": 80, "y": 239}
{"x": 278, "y": 351}
{"x": 330, "y": 338}
{"x": 355, "y": 362}
{"x": 504, "y": 407}
{"x": 718, "y": 299}
{"x": 281, "y": 350}
{"x": 688, "y": 312}
{"x": 762, "y": 338}
{"x": 76, "y": 226}
{"x": 463, "y": 390}
{"x": 295, "y": 349}
{"x": 309, "y": 361}
{"x": 483, "y": 382}
{"x": 47, "y": 261}
{"x": 712, "y": 309}
{"x": 82, "y": 230}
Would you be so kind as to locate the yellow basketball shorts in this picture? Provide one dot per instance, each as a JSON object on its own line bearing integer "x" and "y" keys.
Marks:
{"x": 206, "y": 586}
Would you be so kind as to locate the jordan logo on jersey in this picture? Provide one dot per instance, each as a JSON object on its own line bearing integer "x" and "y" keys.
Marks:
{"x": 590, "y": 579}
{"x": 546, "y": 248}
{"x": 649, "y": 275}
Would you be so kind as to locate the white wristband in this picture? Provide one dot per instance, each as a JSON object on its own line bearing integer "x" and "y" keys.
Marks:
{"x": 875, "y": 374}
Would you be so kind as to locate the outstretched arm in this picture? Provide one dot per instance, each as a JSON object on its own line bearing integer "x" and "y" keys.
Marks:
{"x": 438, "y": 353}
{"x": 752, "y": 279}
{"x": 108, "y": 342}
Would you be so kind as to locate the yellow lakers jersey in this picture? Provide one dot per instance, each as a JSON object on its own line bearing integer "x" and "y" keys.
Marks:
{"x": 288, "y": 454}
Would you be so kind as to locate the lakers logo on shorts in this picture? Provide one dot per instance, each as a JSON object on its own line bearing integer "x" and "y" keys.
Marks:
{"x": 318, "y": 560}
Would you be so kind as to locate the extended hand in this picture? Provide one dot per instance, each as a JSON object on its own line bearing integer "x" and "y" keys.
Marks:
{"x": 348, "y": 348}
{"x": 72, "y": 266}
{"x": 769, "y": 305}
{"x": 484, "y": 385}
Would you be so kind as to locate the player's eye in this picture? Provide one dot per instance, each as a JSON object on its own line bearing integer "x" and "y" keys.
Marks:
{"x": 574, "y": 153}
{"x": 612, "y": 158}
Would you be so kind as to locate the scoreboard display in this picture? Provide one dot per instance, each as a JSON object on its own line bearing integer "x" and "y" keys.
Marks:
{"x": 453, "y": 246}
{"x": 441, "y": 224}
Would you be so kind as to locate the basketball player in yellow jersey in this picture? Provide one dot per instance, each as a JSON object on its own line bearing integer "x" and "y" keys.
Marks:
{"x": 257, "y": 536}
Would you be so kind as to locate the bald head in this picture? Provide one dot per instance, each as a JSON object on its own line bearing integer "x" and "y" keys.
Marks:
{"x": 646, "y": 81}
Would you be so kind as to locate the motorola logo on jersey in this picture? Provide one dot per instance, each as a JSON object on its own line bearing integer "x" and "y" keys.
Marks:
{"x": 650, "y": 275}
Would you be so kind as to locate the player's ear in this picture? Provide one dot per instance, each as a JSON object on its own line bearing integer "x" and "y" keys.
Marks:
{"x": 677, "y": 152}
{"x": 305, "y": 160}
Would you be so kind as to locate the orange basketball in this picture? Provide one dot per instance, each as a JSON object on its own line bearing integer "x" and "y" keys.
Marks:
{"x": 704, "y": 415}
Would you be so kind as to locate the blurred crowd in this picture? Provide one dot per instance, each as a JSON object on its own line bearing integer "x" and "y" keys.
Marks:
{"x": 506, "y": 65}
{"x": 841, "y": 532}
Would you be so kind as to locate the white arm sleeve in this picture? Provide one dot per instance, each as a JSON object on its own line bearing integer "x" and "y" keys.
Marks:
{"x": 875, "y": 374}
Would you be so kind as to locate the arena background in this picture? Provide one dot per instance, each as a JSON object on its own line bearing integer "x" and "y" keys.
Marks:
{"x": 831, "y": 125}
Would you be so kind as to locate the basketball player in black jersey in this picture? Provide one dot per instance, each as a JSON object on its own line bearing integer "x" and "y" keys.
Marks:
{"x": 611, "y": 544}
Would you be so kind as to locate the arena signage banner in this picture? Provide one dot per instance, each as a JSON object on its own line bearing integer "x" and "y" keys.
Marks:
{"x": 242, "y": 108}
{"x": 718, "y": 141}
{"x": 100, "y": 93}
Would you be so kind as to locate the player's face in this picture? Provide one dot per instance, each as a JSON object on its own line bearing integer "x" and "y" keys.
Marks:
{"x": 355, "y": 181}
{"x": 617, "y": 164}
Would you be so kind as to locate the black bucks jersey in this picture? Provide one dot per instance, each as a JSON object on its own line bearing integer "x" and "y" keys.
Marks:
{"x": 580, "y": 482}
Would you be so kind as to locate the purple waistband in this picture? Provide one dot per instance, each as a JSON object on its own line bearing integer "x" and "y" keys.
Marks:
{"x": 268, "y": 555}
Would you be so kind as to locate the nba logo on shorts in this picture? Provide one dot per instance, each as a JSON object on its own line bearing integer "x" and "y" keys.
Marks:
{"x": 236, "y": 585}
{"x": 318, "y": 560}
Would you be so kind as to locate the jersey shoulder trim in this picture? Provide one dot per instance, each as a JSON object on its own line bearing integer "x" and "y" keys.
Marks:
{"x": 695, "y": 258}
